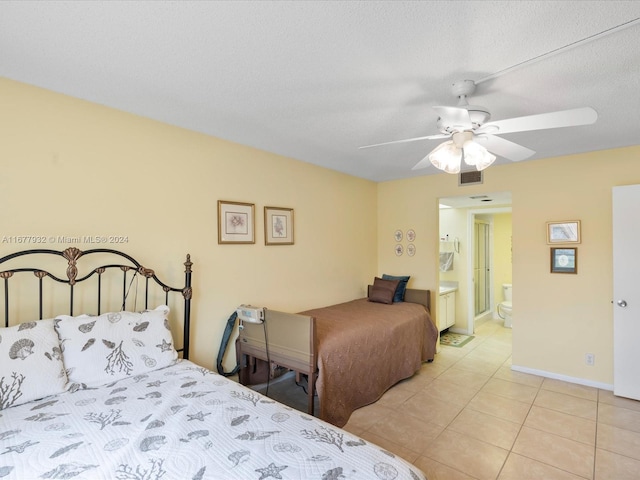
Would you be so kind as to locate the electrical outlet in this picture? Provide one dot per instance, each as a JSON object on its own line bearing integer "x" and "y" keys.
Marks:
{"x": 589, "y": 359}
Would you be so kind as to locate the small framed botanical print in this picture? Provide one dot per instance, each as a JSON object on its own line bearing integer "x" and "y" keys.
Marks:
{"x": 235, "y": 222}
{"x": 278, "y": 226}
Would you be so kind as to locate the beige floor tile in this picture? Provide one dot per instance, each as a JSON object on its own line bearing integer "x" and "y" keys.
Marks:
{"x": 438, "y": 471}
{"x": 582, "y": 391}
{"x": 396, "y": 396}
{"x": 451, "y": 392}
{"x": 388, "y": 445}
{"x": 407, "y": 431}
{"x": 430, "y": 409}
{"x": 559, "y": 452}
{"x": 500, "y": 407}
{"x": 450, "y": 355}
{"x": 464, "y": 378}
{"x": 562, "y": 424}
{"x": 564, "y": 403}
{"x": 619, "y": 417}
{"x": 363, "y": 418}
{"x": 606, "y": 396}
{"x": 489, "y": 353}
{"x": 505, "y": 373}
{"x": 486, "y": 428}
{"x": 473, "y": 457}
{"x": 617, "y": 440}
{"x": 478, "y": 365}
{"x": 518, "y": 467}
{"x": 511, "y": 390}
{"x": 611, "y": 466}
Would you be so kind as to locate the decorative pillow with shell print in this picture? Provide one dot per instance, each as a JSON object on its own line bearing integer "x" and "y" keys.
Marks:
{"x": 30, "y": 363}
{"x": 108, "y": 347}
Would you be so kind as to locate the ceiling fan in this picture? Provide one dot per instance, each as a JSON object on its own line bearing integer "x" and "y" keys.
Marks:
{"x": 472, "y": 137}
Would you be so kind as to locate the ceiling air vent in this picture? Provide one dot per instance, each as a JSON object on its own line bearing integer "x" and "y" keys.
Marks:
{"x": 472, "y": 177}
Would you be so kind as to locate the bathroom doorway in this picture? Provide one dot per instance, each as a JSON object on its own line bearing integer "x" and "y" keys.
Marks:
{"x": 481, "y": 265}
{"x": 480, "y": 226}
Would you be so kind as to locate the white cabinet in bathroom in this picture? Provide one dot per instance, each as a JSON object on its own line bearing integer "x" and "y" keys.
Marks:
{"x": 447, "y": 310}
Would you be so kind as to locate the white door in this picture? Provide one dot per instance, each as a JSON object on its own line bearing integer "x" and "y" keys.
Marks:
{"x": 626, "y": 291}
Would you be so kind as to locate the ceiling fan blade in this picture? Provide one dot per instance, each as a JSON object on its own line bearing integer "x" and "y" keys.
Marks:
{"x": 504, "y": 148}
{"x": 563, "y": 118}
{"x": 455, "y": 116}
{"x": 428, "y": 137}
{"x": 424, "y": 163}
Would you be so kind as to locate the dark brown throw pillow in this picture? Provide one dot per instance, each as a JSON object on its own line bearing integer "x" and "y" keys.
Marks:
{"x": 383, "y": 290}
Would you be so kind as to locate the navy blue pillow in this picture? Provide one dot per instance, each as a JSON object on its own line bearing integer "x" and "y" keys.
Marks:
{"x": 402, "y": 285}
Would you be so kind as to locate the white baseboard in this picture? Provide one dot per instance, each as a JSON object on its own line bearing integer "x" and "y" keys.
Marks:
{"x": 564, "y": 378}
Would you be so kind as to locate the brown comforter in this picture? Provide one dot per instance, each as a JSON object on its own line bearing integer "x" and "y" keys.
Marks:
{"x": 364, "y": 348}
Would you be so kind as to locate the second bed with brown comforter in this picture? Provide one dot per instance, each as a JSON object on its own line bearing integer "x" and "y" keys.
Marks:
{"x": 364, "y": 348}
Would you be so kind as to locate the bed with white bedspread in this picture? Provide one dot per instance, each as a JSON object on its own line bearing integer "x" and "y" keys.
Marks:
{"x": 106, "y": 396}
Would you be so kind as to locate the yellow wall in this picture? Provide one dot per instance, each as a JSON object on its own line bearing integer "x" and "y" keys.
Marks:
{"x": 502, "y": 267}
{"x": 70, "y": 167}
{"x": 557, "y": 317}
{"x": 74, "y": 168}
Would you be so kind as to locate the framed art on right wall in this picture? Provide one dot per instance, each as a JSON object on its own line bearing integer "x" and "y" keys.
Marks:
{"x": 563, "y": 232}
{"x": 564, "y": 260}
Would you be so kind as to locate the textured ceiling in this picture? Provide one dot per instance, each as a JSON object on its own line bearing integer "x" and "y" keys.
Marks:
{"x": 316, "y": 80}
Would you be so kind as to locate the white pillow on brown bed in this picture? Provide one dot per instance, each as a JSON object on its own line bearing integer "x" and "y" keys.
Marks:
{"x": 101, "y": 349}
{"x": 30, "y": 363}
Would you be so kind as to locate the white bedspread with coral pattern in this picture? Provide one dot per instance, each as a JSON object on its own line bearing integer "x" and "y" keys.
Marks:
{"x": 181, "y": 422}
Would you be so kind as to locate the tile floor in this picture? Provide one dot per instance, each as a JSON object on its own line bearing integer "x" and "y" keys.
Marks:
{"x": 467, "y": 416}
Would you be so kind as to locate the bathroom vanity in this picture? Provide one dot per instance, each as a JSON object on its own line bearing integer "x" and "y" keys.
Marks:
{"x": 446, "y": 307}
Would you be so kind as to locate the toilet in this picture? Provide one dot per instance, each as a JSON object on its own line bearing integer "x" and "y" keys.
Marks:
{"x": 505, "y": 307}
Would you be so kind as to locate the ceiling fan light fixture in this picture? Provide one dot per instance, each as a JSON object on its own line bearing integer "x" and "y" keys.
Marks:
{"x": 476, "y": 155}
{"x": 446, "y": 157}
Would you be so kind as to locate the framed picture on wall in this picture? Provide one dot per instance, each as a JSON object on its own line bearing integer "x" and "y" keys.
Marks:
{"x": 563, "y": 232}
{"x": 278, "y": 226}
{"x": 235, "y": 222}
{"x": 564, "y": 260}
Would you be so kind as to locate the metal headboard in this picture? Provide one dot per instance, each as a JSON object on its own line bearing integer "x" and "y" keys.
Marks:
{"x": 72, "y": 255}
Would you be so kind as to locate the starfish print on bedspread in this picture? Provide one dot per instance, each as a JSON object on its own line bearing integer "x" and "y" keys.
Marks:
{"x": 271, "y": 471}
{"x": 19, "y": 448}
{"x": 197, "y": 416}
{"x": 164, "y": 346}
